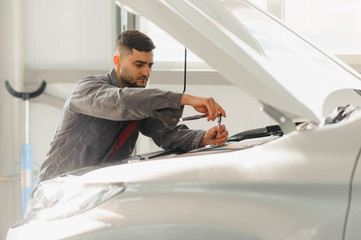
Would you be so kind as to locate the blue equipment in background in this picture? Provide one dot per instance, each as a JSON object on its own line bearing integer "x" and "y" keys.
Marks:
{"x": 26, "y": 161}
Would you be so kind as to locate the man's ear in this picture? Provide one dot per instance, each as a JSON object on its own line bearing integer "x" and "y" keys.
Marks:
{"x": 116, "y": 61}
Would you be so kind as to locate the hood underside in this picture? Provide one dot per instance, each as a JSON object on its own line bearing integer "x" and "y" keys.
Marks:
{"x": 254, "y": 51}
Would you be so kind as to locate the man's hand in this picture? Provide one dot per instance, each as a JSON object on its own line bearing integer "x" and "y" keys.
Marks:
{"x": 203, "y": 105}
{"x": 215, "y": 136}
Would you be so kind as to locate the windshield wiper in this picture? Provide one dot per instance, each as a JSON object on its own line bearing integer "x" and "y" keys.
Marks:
{"x": 273, "y": 130}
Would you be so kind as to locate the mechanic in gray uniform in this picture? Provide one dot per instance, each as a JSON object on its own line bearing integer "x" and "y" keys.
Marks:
{"x": 103, "y": 115}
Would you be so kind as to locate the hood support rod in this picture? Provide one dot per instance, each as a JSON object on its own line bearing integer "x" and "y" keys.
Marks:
{"x": 284, "y": 122}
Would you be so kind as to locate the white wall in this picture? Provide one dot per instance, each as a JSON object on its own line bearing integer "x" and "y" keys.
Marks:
{"x": 10, "y": 108}
{"x": 42, "y": 35}
{"x": 69, "y": 34}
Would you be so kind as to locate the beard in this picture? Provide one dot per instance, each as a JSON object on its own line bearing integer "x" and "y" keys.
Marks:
{"x": 131, "y": 82}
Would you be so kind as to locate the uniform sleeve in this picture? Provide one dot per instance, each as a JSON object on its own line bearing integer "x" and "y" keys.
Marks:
{"x": 95, "y": 97}
{"x": 179, "y": 138}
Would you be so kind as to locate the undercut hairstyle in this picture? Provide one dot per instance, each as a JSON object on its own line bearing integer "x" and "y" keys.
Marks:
{"x": 133, "y": 39}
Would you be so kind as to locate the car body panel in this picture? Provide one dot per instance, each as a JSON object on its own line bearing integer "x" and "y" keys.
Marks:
{"x": 302, "y": 192}
{"x": 354, "y": 215}
{"x": 252, "y": 211}
{"x": 258, "y": 164}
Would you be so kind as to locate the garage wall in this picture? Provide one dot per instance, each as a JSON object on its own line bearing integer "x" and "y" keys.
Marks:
{"x": 10, "y": 126}
{"x": 69, "y": 34}
{"x": 41, "y": 35}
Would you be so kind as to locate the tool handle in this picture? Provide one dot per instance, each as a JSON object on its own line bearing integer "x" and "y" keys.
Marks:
{"x": 193, "y": 117}
{"x": 26, "y": 95}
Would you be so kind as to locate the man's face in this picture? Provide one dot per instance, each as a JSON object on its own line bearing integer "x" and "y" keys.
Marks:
{"x": 134, "y": 68}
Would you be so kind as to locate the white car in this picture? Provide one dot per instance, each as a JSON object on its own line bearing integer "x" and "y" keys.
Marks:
{"x": 297, "y": 180}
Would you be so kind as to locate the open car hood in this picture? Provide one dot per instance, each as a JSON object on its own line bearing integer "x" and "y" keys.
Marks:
{"x": 254, "y": 51}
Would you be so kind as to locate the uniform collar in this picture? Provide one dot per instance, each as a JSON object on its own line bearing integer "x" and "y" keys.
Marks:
{"x": 114, "y": 78}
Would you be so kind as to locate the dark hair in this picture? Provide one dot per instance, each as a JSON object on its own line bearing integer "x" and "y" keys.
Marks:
{"x": 133, "y": 39}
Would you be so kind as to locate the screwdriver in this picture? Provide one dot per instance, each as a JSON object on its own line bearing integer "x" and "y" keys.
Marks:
{"x": 195, "y": 117}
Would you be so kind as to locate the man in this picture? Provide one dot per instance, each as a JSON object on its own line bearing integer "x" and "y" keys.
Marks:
{"x": 103, "y": 115}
